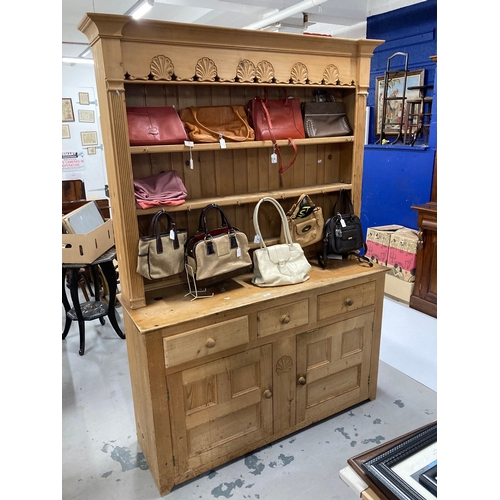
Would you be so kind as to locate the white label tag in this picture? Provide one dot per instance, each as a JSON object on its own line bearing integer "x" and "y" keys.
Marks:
{"x": 172, "y": 234}
{"x": 274, "y": 158}
{"x": 256, "y": 239}
{"x": 342, "y": 222}
{"x": 238, "y": 252}
{"x": 222, "y": 143}
{"x": 189, "y": 144}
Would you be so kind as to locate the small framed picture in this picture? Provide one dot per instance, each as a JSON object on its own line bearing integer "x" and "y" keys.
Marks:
{"x": 67, "y": 110}
{"x": 65, "y": 132}
{"x": 89, "y": 138}
{"x": 83, "y": 98}
{"x": 86, "y": 116}
{"x": 91, "y": 151}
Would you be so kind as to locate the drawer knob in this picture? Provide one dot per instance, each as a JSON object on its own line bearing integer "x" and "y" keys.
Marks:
{"x": 349, "y": 302}
{"x": 268, "y": 394}
{"x": 285, "y": 319}
{"x": 302, "y": 381}
{"x": 210, "y": 343}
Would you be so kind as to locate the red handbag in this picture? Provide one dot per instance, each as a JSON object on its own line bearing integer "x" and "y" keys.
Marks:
{"x": 285, "y": 115}
{"x": 155, "y": 125}
{"x": 275, "y": 119}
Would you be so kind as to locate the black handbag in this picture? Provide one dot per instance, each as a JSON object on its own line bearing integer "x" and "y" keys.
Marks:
{"x": 217, "y": 254}
{"x": 343, "y": 233}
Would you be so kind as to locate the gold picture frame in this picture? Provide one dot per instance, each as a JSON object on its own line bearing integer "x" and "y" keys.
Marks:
{"x": 89, "y": 138}
{"x": 67, "y": 110}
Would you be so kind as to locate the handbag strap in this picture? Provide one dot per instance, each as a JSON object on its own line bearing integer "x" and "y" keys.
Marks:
{"x": 225, "y": 223}
{"x": 273, "y": 138}
{"x": 154, "y": 231}
{"x": 343, "y": 205}
{"x": 286, "y": 230}
{"x": 296, "y": 206}
{"x": 194, "y": 111}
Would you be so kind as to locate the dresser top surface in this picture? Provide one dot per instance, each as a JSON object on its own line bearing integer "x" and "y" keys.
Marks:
{"x": 173, "y": 305}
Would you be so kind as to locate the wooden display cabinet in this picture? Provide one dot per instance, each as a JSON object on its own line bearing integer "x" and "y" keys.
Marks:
{"x": 215, "y": 378}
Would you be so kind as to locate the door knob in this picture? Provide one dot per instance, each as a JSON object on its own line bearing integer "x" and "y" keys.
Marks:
{"x": 302, "y": 381}
{"x": 268, "y": 394}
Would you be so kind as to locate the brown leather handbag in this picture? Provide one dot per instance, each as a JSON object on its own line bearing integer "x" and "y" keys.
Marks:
{"x": 325, "y": 118}
{"x": 213, "y": 123}
{"x": 156, "y": 125}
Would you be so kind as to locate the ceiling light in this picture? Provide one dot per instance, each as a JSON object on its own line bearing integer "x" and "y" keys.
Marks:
{"x": 77, "y": 60}
{"x": 140, "y": 8}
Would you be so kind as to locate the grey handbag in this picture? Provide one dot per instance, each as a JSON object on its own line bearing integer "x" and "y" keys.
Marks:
{"x": 325, "y": 118}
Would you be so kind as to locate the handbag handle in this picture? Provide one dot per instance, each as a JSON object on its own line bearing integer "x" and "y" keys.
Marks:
{"x": 225, "y": 222}
{"x": 294, "y": 207}
{"x": 286, "y": 230}
{"x": 273, "y": 138}
{"x": 155, "y": 232}
{"x": 217, "y": 133}
{"x": 343, "y": 204}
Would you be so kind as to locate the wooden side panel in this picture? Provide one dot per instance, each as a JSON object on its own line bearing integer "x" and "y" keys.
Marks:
{"x": 334, "y": 361}
{"x": 221, "y": 407}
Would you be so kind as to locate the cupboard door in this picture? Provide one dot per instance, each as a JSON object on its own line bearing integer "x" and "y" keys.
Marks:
{"x": 333, "y": 364}
{"x": 220, "y": 407}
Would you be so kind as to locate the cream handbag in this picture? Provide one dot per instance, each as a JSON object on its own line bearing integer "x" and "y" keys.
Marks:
{"x": 281, "y": 264}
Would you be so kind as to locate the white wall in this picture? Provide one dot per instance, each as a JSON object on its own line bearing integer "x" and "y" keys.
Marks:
{"x": 91, "y": 168}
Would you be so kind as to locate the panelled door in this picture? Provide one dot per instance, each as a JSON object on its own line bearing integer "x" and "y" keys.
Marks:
{"x": 333, "y": 364}
{"x": 220, "y": 407}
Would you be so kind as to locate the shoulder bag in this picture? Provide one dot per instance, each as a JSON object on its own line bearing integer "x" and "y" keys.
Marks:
{"x": 343, "y": 234}
{"x": 325, "y": 118}
{"x": 155, "y": 125}
{"x": 161, "y": 254}
{"x": 281, "y": 264}
{"x": 217, "y": 254}
{"x": 213, "y": 123}
{"x": 305, "y": 222}
{"x": 276, "y": 119}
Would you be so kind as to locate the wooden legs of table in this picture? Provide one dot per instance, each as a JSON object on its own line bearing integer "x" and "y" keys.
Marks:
{"x": 109, "y": 271}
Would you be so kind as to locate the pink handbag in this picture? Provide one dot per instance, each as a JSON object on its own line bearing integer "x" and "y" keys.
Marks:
{"x": 165, "y": 188}
{"x": 155, "y": 125}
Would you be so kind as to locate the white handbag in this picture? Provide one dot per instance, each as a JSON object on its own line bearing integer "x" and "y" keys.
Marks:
{"x": 281, "y": 264}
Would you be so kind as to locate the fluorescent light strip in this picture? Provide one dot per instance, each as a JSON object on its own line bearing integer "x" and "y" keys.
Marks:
{"x": 140, "y": 8}
{"x": 77, "y": 60}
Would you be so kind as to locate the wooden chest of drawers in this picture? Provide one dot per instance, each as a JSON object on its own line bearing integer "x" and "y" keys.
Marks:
{"x": 215, "y": 378}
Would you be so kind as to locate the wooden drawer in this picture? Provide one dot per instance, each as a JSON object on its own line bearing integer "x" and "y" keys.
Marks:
{"x": 196, "y": 344}
{"x": 278, "y": 319}
{"x": 346, "y": 300}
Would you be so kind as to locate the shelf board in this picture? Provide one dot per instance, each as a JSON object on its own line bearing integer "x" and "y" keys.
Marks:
{"x": 240, "y": 199}
{"x": 176, "y": 148}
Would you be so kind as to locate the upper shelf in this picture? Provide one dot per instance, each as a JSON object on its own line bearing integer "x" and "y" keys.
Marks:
{"x": 137, "y": 150}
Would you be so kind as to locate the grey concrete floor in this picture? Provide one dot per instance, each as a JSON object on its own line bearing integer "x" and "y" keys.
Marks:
{"x": 101, "y": 458}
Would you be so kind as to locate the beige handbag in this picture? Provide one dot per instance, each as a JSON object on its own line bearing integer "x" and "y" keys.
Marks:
{"x": 305, "y": 222}
{"x": 161, "y": 254}
{"x": 281, "y": 264}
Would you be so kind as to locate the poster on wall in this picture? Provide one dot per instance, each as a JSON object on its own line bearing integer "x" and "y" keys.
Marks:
{"x": 73, "y": 161}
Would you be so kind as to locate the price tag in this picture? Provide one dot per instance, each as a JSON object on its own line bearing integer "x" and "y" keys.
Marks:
{"x": 342, "y": 222}
{"x": 222, "y": 143}
{"x": 172, "y": 234}
{"x": 189, "y": 144}
{"x": 238, "y": 252}
{"x": 256, "y": 239}
{"x": 274, "y": 158}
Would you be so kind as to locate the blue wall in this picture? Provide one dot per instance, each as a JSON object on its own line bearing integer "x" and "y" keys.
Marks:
{"x": 397, "y": 177}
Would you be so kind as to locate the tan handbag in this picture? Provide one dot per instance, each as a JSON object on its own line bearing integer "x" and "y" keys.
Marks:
{"x": 305, "y": 222}
{"x": 213, "y": 123}
{"x": 282, "y": 264}
{"x": 161, "y": 254}
{"x": 217, "y": 254}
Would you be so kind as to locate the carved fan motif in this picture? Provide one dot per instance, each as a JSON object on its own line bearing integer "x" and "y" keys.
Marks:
{"x": 162, "y": 68}
{"x": 331, "y": 74}
{"x": 245, "y": 71}
{"x": 265, "y": 72}
{"x": 284, "y": 365}
{"x": 206, "y": 70}
{"x": 299, "y": 73}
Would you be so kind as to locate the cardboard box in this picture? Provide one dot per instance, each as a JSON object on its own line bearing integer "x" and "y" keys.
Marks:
{"x": 402, "y": 257}
{"x": 378, "y": 240}
{"x": 398, "y": 289}
{"x": 85, "y": 248}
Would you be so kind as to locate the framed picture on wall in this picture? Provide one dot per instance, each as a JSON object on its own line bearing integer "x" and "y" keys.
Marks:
{"x": 86, "y": 115}
{"x": 83, "y": 98}
{"x": 65, "y": 132}
{"x": 67, "y": 110}
{"x": 89, "y": 138}
{"x": 395, "y": 107}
